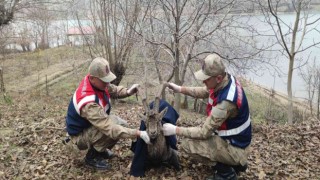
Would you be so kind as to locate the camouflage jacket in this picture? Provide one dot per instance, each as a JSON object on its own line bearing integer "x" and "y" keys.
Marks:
{"x": 96, "y": 115}
{"x": 221, "y": 112}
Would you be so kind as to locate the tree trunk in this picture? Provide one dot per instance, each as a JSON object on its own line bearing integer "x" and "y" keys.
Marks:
{"x": 156, "y": 60}
{"x": 311, "y": 92}
{"x": 289, "y": 89}
{"x": 318, "y": 104}
{"x": 195, "y": 104}
{"x": 3, "y": 89}
{"x": 291, "y": 62}
{"x": 177, "y": 100}
{"x": 177, "y": 80}
{"x": 177, "y": 97}
{"x": 119, "y": 70}
{"x": 185, "y": 103}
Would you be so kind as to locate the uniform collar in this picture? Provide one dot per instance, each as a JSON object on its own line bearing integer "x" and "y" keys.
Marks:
{"x": 223, "y": 84}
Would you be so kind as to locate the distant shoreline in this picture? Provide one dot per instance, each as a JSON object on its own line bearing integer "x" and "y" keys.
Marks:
{"x": 280, "y": 97}
{"x": 279, "y": 13}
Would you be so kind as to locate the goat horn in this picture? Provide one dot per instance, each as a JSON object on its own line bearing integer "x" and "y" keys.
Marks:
{"x": 145, "y": 105}
{"x": 156, "y": 105}
{"x": 163, "y": 87}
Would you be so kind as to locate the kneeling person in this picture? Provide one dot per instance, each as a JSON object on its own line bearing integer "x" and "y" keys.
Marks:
{"x": 88, "y": 121}
{"x": 225, "y": 136}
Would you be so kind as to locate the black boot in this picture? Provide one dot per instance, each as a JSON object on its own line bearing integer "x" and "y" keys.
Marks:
{"x": 94, "y": 160}
{"x": 108, "y": 154}
{"x": 240, "y": 168}
{"x": 223, "y": 172}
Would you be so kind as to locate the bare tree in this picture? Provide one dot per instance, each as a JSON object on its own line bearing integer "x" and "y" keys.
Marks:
{"x": 42, "y": 17}
{"x": 112, "y": 20}
{"x": 7, "y": 10}
{"x": 186, "y": 30}
{"x": 318, "y": 101}
{"x": 290, "y": 37}
{"x": 311, "y": 76}
{"x": 24, "y": 36}
{"x": 22, "y": 13}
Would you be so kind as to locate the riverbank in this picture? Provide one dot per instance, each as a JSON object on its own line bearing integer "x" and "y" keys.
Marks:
{"x": 278, "y": 97}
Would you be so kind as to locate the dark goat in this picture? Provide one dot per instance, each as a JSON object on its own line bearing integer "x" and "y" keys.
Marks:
{"x": 158, "y": 151}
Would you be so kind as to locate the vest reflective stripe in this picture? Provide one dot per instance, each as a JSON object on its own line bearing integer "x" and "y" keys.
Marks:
{"x": 237, "y": 130}
{"x": 86, "y": 99}
{"x": 84, "y": 94}
{"x": 74, "y": 101}
{"x": 210, "y": 101}
{"x": 240, "y": 96}
{"x": 232, "y": 89}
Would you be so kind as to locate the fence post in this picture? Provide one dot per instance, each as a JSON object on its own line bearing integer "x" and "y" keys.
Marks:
{"x": 47, "y": 90}
{"x": 1, "y": 81}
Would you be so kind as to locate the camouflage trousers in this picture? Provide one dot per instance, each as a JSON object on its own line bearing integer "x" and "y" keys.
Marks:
{"x": 213, "y": 150}
{"x": 93, "y": 137}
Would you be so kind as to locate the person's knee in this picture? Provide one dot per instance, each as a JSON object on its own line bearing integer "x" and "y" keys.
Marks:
{"x": 186, "y": 145}
{"x": 82, "y": 145}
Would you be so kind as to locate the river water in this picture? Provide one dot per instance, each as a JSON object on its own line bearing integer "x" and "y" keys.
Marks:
{"x": 275, "y": 75}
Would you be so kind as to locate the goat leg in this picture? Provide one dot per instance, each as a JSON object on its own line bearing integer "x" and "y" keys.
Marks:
{"x": 174, "y": 160}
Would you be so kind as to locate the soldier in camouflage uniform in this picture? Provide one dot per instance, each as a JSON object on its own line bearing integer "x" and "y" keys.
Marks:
{"x": 223, "y": 139}
{"x": 89, "y": 122}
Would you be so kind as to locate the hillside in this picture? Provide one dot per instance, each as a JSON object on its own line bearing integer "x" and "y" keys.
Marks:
{"x": 32, "y": 130}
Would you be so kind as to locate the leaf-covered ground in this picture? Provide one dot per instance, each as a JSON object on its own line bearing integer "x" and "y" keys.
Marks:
{"x": 32, "y": 130}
